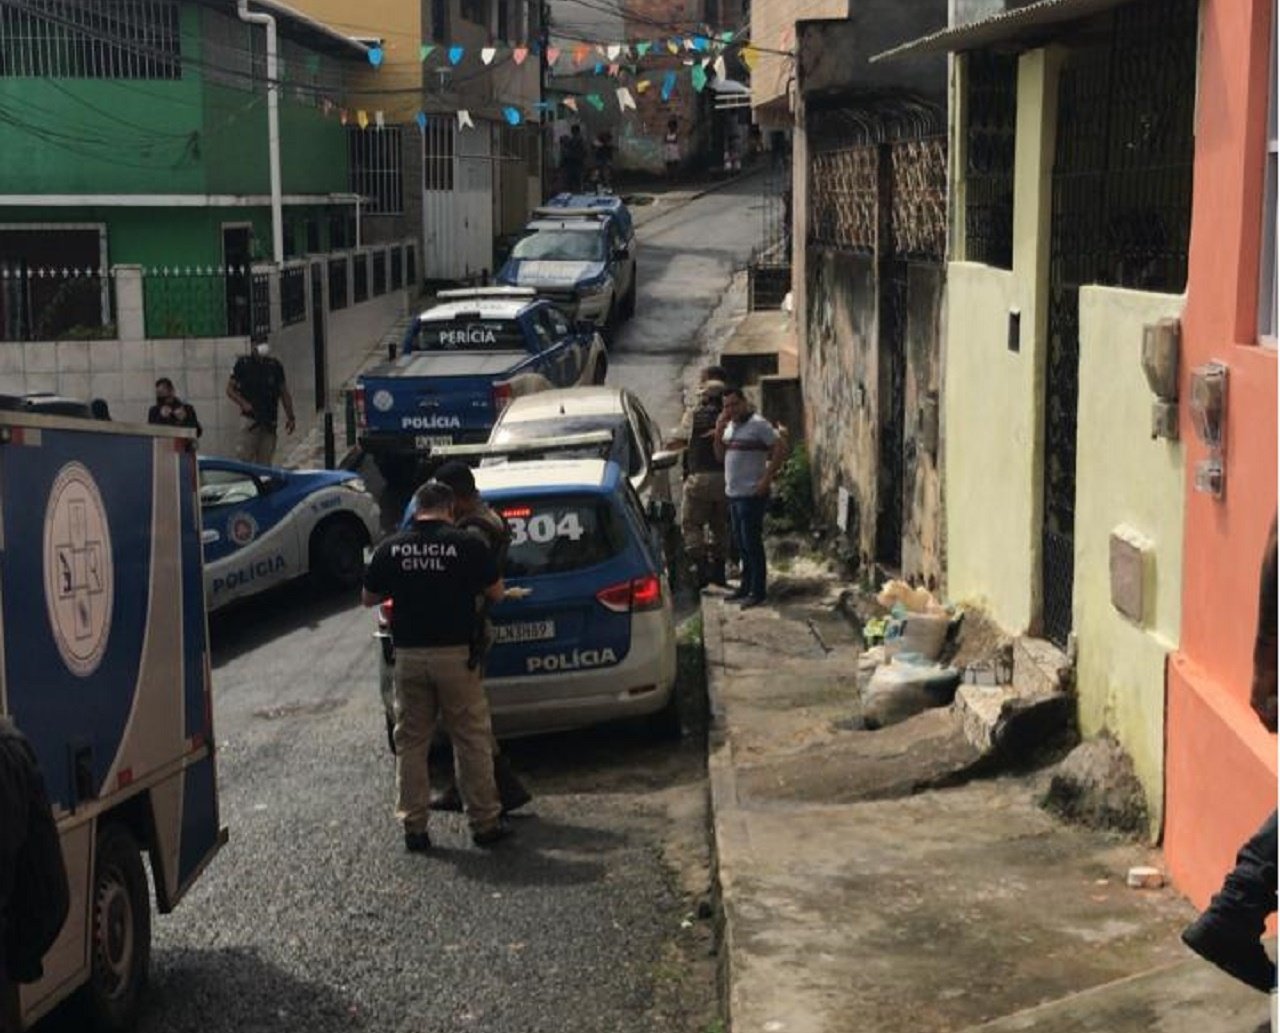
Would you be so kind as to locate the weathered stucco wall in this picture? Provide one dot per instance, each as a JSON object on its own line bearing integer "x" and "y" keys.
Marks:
{"x": 1125, "y": 479}
{"x": 839, "y": 373}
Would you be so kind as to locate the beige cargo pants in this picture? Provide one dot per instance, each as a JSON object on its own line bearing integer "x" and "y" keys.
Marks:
{"x": 436, "y": 684}
{"x": 256, "y": 445}
{"x": 704, "y": 521}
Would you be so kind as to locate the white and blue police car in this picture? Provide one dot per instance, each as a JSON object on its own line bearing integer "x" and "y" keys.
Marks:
{"x": 262, "y": 526}
{"x": 591, "y": 637}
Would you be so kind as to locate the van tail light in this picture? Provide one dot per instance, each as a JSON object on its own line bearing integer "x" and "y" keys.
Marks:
{"x": 384, "y": 613}
{"x": 635, "y": 596}
{"x": 361, "y": 420}
{"x": 501, "y": 397}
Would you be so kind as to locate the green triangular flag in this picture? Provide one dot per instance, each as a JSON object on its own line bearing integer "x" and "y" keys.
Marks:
{"x": 596, "y": 101}
{"x": 424, "y": 51}
{"x": 727, "y": 36}
{"x": 699, "y": 75}
{"x": 643, "y": 48}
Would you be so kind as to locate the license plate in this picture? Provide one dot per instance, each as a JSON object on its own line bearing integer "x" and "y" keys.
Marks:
{"x": 524, "y": 631}
{"x": 427, "y": 441}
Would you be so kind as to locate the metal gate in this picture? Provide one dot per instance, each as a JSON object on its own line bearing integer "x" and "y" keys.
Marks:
{"x": 1121, "y": 216}
{"x": 457, "y": 199}
{"x": 892, "y": 393}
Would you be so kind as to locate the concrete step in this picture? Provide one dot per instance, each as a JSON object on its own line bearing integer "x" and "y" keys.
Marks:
{"x": 1039, "y": 668}
{"x": 1186, "y": 997}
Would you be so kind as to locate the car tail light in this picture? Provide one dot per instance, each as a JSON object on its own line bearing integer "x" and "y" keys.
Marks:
{"x": 361, "y": 420}
{"x": 384, "y": 612}
{"x": 501, "y": 397}
{"x": 639, "y": 594}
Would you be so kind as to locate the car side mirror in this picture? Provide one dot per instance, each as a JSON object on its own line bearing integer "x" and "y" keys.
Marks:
{"x": 664, "y": 460}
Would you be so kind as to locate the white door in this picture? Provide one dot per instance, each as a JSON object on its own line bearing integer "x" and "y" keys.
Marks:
{"x": 457, "y": 199}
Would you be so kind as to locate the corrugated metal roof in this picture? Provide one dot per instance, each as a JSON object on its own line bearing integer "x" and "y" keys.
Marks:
{"x": 1030, "y": 24}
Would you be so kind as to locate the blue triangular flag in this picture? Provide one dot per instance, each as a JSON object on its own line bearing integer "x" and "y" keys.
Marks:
{"x": 455, "y": 55}
{"x": 375, "y": 56}
{"x": 513, "y": 116}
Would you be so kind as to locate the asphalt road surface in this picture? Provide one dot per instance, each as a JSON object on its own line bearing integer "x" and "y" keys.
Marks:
{"x": 314, "y": 917}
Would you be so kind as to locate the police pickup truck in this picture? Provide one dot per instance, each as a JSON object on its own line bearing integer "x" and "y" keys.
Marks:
{"x": 104, "y": 666}
{"x": 461, "y": 362}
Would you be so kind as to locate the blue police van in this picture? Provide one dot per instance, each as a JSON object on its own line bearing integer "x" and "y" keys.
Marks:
{"x": 104, "y": 666}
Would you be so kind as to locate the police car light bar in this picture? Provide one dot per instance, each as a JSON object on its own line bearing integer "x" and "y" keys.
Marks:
{"x": 599, "y": 214}
{"x": 561, "y": 443}
{"x": 487, "y": 292}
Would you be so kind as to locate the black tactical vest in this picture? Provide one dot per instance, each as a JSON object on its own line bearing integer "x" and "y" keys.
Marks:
{"x": 702, "y": 448}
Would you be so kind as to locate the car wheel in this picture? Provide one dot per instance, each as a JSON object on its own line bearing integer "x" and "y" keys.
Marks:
{"x": 120, "y": 944}
{"x": 629, "y": 302}
{"x": 337, "y": 553}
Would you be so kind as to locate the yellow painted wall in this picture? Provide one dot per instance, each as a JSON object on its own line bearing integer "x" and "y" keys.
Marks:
{"x": 993, "y": 395}
{"x": 1125, "y": 478}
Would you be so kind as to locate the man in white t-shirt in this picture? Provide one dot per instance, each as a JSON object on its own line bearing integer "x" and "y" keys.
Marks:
{"x": 752, "y": 450}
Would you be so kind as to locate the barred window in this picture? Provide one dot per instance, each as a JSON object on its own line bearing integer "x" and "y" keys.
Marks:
{"x": 86, "y": 39}
{"x": 376, "y": 171}
{"x": 504, "y": 21}
{"x": 992, "y": 110}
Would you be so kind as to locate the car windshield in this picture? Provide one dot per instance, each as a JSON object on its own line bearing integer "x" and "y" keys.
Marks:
{"x": 561, "y": 246}
{"x": 468, "y": 333}
{"x": 557, "y": 535}
{"x": 558, "y": 426}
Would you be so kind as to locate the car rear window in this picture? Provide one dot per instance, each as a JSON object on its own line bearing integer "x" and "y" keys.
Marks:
{"x": 471, "y": 334}
{"x": 557, "y": 535}
{"x": 558, "y": 426}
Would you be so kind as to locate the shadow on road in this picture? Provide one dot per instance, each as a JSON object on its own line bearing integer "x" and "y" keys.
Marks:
{"x": 245, "y": 626}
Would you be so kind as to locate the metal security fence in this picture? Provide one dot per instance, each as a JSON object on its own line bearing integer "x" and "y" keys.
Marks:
{"x": 844, "y": 192}
{"x": 293, "y": 294}
{"x": 360, "y": 277}
{"x": 918, "y": 198}
{"x": 41, "y": 304}
{"x": 379, "y": 273}
{"x": 397, "y": 268}
{"x": 991, "y": 104}
{"x": 89, "y": 39}
{"x": 338, "y": 283}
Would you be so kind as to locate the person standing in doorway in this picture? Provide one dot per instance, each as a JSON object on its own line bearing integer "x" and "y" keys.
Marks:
{"x": 671, "y": 149}
{"x": 1229, "y": 933}
{"x": 257, "y": 385}
{"x": 432, "y": 573}
{"x": 604, "y": 160}
{"x": 752, "y": 450}
{"x": 704, "y": 520}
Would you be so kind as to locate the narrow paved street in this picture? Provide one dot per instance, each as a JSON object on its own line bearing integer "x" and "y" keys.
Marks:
{"x": 315, "y": 918}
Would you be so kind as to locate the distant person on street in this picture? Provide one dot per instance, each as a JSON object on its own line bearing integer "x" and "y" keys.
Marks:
{"x": 34, "y": 895}
{"x": 752, "y": 450}
{"x": 172, "y": 411}
{"x": 432, "y": 573}
{"x": 671, "y": 149}
{"x": 257, "y": 386}
{"x": 1229, "y": 933}
{"x": 603, "y": 147}
{"x": 573, "y": 159}
{"x": 704, "y": 521}
{"x": 470, "y": 514}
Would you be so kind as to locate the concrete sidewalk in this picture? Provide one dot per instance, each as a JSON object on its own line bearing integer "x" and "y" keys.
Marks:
{"x": 868, "y": 883}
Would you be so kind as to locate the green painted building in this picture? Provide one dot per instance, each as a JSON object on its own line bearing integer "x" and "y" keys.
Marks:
{"x": 136, "y": 132}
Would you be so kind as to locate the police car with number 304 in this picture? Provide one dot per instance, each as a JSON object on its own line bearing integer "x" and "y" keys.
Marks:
{"x": 263, "y": 526}
{"x": 592, "y": 636}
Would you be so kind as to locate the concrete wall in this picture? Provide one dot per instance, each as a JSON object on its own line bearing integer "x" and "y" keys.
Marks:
{"x": 993, "y": 396}
{"x": 923, "y": 543}
{"x": 1126, "y": 480}
{"x": 1221, "y": 771}
{"x": 773, "y": 28}
{"x": 839, "y": 370}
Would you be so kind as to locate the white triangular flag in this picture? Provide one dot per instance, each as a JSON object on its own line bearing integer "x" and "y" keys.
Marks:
{"x": 625, "y": 100}
{"x": 378, "y": 119}
{"x": 487, "y": 54}
{"x": 721, "y": 72}
{"x": 612, "y": 51}
{"x": 464, "y": 120}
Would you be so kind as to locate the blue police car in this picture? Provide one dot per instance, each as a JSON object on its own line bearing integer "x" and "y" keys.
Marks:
{"x": 263, "y": 526}
{"x": 579, "y": 252}
{"x": 592, "y": 636}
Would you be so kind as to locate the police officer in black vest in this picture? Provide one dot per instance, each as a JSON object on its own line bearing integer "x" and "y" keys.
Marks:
{"x": 473, "y": 516}
{"x": 705, "y": 519}
{"x": 433, "y": 573}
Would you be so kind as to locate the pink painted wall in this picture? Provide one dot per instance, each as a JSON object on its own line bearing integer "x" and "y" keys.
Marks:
{"x": 1221, "y": 763}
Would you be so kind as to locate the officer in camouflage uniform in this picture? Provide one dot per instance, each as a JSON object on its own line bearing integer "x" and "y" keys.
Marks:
{"x": 705, "y": 518}
{"x": 473, "y": 516}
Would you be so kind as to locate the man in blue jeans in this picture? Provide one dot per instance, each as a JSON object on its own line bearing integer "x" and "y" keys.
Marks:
{"x": 752, "y": 450}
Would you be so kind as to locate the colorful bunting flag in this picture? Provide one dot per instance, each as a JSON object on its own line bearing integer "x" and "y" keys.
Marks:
{"x": 668, "y": 85}
{"x": 614, "y": 70}
{"x": 378, "y": 120}
{"x": 673, "y": 45}
{"x": 424, "y": 51}
{"x": 699, "y": 75}
{"x": 421, "y": 119}
{"x": 613, "y": 51}
{"x": 596, "y": 101}
{"x": 701, "y": 43}
{"x": 571, "y": 103}
{"x": 553, "y": 55}
{"x": 625, "y": 100}
{"x": 749, "y": 56}
{"x": 342, "y": 116}
{"x": 362, "y": 119}
{"x": 518, "y": 54}
{"x": 643, "y": 85}
{"x": 726, "y": 36}
{"x": 375, "y": 56}
{"x": 512, "y": 115}
{"x": 642, "y": 49}
{"x": 464, "y": 120}
{"x": 722, "y": 73}
{"x": 487, "y": 54}
{"x": 580, "y": 53}
{"x": 455, "y": 54}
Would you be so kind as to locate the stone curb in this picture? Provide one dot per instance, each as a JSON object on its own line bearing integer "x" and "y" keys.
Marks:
{"x": 726, "y": 826}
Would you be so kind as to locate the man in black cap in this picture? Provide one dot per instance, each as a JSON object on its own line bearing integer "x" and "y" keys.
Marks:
{"x": 470, "y": 514}
{"x": 433, "y": 572}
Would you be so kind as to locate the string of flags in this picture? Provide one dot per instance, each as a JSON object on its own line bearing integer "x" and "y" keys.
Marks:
{"x": 702, "y": 54}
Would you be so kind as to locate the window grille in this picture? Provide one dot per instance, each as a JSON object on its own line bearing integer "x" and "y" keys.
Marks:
{"x": 337, "y": 283}
{"x": 293, "y": 295}
{"x": 504, "y": 21}
{"x": 360, "y": 277}
{"x": 991, "y": 112}
{"x": 376, "y": 168}
{"x": 476, "y": 11}
{"x": 438, "y": 170}
{"x": 87, "y": 39}
{"x": 379, "y": 273}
